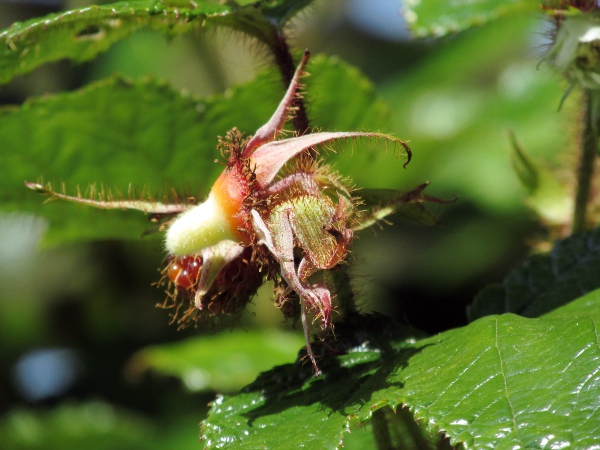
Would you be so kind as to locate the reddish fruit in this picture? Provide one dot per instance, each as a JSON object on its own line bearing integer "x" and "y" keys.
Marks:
{"x": 185, "y": 271}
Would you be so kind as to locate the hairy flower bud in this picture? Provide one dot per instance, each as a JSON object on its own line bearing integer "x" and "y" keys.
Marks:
{"x": 274, "y": 212}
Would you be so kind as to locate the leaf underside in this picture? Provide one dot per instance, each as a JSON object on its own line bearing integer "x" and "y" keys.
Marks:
{"x": 500, "y": 382}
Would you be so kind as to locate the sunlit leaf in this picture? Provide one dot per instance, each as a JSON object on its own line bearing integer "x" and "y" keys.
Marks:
{"x": 287, "y": 407}
{"x": 118, "y": 134}
{"x": 501, "y": 382}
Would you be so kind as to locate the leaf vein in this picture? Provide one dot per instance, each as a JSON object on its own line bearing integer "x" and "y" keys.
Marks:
{"x": 503, "y": 373}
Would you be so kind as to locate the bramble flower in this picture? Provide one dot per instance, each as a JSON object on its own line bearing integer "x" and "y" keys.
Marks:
{"x": 275, "y": 212}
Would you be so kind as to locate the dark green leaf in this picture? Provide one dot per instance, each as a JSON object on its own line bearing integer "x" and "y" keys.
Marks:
{"x": 545, "y": 282}
{"x": 501, "y": 382}
{"x": 440, "y": 17}
{"x": 83, "y": 33}
{"x": 223, "y": 362}
{"x": 507, "y": 381}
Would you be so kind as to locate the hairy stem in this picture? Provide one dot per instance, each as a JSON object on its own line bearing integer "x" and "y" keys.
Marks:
{"x": 587, "y": 159}
{"x": 286, "y": 65}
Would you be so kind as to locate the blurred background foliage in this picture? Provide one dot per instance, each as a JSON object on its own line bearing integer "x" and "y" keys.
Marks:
{"x": 72, "y": 317}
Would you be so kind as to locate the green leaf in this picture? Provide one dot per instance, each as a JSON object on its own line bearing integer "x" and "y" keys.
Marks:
{"x": 439, "y": 17}
{"x": 547, "y": 281}
{"x": 82, "y": 33}
{"x": 121, "y": 133}
{"x": 501, "y": 382}
{"x": 223, "y": 362}
{"x": 287, "y": 407}
{"x": 508, "y": 381}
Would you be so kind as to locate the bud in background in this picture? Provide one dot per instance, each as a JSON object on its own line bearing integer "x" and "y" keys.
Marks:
{"x": 576, "y": 47}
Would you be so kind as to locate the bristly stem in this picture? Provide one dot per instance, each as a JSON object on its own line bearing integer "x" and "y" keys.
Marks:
{"x": 587, "y": 160}
{"x": 286, "y": 65}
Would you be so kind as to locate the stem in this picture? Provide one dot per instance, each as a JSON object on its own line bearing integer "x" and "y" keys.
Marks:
{"x": 286, "y": 65}
{"x": 381, "y": 431}
{"x": 585, "y": 170}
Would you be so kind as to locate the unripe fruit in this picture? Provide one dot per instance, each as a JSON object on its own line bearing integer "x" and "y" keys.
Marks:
{"x": 185, "y": 271}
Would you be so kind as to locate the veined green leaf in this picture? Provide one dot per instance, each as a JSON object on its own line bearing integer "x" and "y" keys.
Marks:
{"x": 115, "y": 134}
{"x": 288, "y": 408}
{"x": 82, "y": 33}
{"x": 500, "y": 382}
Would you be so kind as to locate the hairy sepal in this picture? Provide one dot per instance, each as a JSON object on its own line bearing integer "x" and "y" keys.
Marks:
{"x": 271, "y": 157}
